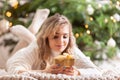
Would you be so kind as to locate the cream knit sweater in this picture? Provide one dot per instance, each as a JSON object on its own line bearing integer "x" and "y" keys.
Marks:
{"x": 27, "y": 59}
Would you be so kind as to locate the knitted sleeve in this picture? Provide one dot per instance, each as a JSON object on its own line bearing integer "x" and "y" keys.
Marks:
{"x": 22, "y": 59}
{"x": 82, "y": 61}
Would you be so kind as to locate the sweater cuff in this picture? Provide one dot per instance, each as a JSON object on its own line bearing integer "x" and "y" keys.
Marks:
{"x": 89, "y": 71}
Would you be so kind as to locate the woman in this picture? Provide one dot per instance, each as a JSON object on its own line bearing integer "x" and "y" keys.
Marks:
{"x": 55, "y": 38}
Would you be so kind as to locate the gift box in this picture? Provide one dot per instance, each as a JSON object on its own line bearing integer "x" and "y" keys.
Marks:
{"x": 66, "y": 60}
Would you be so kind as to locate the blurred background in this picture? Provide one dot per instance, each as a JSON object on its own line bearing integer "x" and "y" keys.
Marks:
{"x": 96, "y": 24}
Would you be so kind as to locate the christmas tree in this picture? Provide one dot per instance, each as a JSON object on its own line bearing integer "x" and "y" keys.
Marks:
{"x": 96, "y": 23}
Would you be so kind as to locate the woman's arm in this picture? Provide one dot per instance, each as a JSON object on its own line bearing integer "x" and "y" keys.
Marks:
{"x": 82, "y": 61}
{"x": 84, "y": 64}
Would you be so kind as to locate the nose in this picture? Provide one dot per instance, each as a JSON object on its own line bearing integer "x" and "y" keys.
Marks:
{"x": 60, "y": 40}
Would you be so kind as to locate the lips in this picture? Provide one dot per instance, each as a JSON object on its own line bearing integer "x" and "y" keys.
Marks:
{"x": 60, "y": 46}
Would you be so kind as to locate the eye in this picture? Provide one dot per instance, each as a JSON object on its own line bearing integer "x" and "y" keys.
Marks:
{"x": 55, "y": 37}
{"x": 65, "y": 36}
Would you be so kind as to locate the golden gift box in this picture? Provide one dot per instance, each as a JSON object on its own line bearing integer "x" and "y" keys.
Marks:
{"x": 66, "y": 60}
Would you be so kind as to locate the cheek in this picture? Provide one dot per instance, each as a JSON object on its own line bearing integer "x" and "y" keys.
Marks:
{"x": 66, "y": 42}
{"x": 51, "y": 43}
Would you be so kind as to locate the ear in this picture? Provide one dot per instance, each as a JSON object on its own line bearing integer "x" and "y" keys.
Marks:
{"x": 23, "y": 33}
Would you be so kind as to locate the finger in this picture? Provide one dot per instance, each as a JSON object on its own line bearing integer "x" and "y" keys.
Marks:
{"x": 57, "y": 70}
{"x": 68, "y": 69}
{"x": 21, "y": 71}
{"x": 76, "y": 72}
{"x": 54, "y": 66}
{"x": 68, "y": 73}
{"x": 71, "y": 68}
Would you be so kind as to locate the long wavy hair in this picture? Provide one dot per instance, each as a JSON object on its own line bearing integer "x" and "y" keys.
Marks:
{"x": 50, "y": 26}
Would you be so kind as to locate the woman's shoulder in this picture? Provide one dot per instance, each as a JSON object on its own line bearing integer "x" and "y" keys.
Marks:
{"x": 77, "y": 51}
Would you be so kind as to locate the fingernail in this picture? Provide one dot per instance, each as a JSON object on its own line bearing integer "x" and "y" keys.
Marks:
{"x": 64, "y": 67}
{"x": 58, "y": 64}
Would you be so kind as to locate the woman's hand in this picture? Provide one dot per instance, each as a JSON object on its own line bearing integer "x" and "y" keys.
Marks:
{"x": 21, "y": 71}
{"x": 57, "y": 69}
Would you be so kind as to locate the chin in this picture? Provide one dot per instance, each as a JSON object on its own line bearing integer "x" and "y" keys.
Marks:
{"x": 60, "y": 50}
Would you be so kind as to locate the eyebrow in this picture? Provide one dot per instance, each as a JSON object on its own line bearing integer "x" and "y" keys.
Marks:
{"x": 64, "y": 33}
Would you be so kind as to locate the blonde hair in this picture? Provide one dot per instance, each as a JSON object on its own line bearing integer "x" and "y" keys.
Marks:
{"x": 48, "y": 27}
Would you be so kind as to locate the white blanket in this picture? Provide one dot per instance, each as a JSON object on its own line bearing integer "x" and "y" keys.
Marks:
{"x": 107, "y": 75}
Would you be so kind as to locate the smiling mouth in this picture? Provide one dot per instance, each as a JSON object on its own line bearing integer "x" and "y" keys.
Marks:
{"x": 59, "y": 46}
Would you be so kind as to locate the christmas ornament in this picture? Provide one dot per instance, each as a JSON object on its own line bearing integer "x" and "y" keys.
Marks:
{"x": 117, "y": 17}
{"x": 1, "y": 5}
{"x": 90, "y": 10}
{"x": 111, "y": 42}
{"x": 13, "y": 2}
{"x": 88, "y": 1}
{"x": 118, "y": 5}
{"x": 4, "y": 25}
{"x": 98, "y": 44}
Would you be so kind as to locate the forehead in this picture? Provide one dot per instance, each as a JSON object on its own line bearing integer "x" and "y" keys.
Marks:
{"x": 62, "y": 29}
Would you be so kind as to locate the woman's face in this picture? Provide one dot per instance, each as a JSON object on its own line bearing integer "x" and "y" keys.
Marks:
{"x": 60, "y": 40}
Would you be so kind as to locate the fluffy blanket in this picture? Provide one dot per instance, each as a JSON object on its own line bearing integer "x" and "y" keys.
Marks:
{"x": 107, "y": 75}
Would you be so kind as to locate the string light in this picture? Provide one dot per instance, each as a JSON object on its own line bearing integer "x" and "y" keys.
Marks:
{"x": 76, "y": 35}
{"x": 88, "y": 31}
{"x": 99, "y": 5}
{"x": 111, "y": 18}
{"x": 106, "y": 20}
{"x": 26, "y": 15}
{"x": 13, "y": 3}
{"x": 8, "y": 14}
{"x": 114, "y": 20}
{"x": 91, "y": 19}
{"x": 86, "y": 26}
{"x": 118, "y": 3}
{"x": 10, "y": 24}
